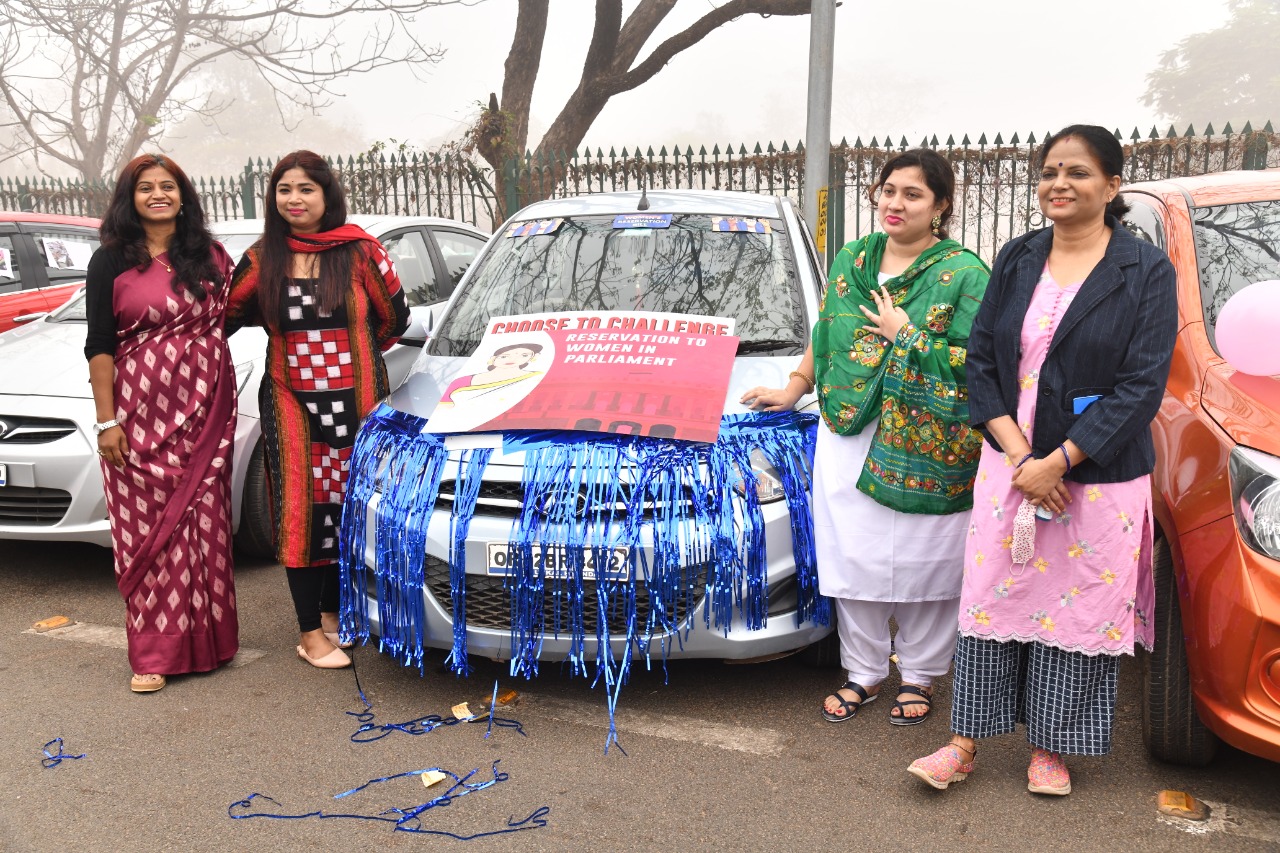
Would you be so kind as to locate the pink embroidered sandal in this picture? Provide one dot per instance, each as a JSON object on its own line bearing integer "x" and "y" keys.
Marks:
{"x": 1047, "y": 774}
{"x": 945, "y": 766}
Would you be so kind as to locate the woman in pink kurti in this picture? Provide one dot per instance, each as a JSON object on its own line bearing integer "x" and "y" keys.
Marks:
{"x": 1068, "y": 359}
{"x": 164, "y": 389}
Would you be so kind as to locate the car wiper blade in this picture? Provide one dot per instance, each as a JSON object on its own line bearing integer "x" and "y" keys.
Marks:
{"x": 762, "y": 346}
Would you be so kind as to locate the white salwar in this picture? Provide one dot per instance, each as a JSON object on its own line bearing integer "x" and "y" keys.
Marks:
{"x": 876, "y": 562}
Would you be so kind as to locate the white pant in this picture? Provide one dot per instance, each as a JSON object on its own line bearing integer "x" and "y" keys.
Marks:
{"x": 925, "y": 643}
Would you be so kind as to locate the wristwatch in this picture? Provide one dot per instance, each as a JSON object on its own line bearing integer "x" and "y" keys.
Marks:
{"x": 99, "y": 429}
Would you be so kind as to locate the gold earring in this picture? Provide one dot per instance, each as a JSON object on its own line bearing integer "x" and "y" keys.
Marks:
{"x": 936, "y": 223}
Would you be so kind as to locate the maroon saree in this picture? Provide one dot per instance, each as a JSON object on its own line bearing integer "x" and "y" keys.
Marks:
{"x": 170, "y": 505}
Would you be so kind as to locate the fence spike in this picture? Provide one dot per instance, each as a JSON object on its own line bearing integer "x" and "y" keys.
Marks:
{"x": 965, "y": 141}
{"x": 1155, "y": 134}
{"x": 934, "y": 141}
{"x": 951, "y": 140}
{"x": 1013, "y": 140}
{"x": 1226, "y": 130}
{"x": 715, "y": 150}
{"x": 903, "y": 143}
{"x": 769, "y": 148}
{"x": 702, "y": 151}
{"x": 998, "y": 139}
{"x": 1248, "y": 127}
{"x": 1116, "y": 134}
{"x": 1136, "y": 136}
{"x": 662, "y": 152}
{"x": 742, "y": 150}
{"x": 1268, "y": 129}
{"x": 1031, "y": 138}
{"x": 1191, "y": 131}
{"x": 1172, "y": 133}
{"x": 785, "y": 149}
{"x": 758, "y": 149}
{"x": 649, "y": 151}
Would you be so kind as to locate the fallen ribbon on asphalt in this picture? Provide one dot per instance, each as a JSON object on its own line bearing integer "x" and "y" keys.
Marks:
{"x": 52, "y": 759}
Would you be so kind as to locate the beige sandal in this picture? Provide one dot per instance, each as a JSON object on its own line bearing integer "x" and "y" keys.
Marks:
{"x": 147, "y": 682}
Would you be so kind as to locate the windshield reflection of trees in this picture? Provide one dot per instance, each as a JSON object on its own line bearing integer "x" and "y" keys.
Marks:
{"x": 1237, "y": 245}
{"x": 590, "y": 266}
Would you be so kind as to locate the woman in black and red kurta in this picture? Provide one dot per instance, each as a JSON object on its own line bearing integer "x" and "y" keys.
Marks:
{"x": 330, "y": 300}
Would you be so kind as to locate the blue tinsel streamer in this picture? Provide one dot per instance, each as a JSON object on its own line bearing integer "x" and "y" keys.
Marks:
{"x": 707, "y": 536}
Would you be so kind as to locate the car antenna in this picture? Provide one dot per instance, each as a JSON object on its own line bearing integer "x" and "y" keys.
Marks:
{"x": 644, "y": 198}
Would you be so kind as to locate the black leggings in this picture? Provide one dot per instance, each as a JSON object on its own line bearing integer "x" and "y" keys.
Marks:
{"x": 315, "y": 591}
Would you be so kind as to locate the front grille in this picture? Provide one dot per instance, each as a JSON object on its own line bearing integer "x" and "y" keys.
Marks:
{"x": 22, "y": 505}
{"x": 489, "y": 604}
{"x": 505, "y": 499}
{"x": 24, "y": 430}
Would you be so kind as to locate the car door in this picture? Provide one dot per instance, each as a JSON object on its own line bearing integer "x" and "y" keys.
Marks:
{"x": 410, "y": 252}
{"x": 64, "y": 252}
{"x": 455, "y": 251}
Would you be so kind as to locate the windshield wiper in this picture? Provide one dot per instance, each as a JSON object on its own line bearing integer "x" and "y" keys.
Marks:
{"x": 762, "y": 346}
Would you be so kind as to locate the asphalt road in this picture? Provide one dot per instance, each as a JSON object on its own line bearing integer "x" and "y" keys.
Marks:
{"x": 718, "y": 757}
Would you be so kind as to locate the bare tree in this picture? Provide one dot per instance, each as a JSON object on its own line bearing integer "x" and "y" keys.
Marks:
{"x": 612, "y": 66}
{"x": 88, "y": 83}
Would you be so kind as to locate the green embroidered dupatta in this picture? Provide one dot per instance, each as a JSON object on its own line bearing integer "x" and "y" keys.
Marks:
{"x": 924, "y": 455}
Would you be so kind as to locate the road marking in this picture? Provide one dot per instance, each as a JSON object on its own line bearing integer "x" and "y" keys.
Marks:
{"x": 1230, "y": 820}
{"x": 114, "y": 637}
{"x": 689, "y": 730}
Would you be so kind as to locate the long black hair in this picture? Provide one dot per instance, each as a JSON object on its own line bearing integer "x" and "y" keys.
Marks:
{"x": 191, "y": 246}
{"x": 939, "y": 177}
{"x": 276, "y": 258}
{"x": 1104, "y": 147}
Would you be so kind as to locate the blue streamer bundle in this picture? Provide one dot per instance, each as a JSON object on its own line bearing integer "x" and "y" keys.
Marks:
{"x": 697, "y": 503}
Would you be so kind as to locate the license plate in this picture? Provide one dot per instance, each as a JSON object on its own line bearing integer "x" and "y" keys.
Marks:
{"x": 4, "y": 474}
{"x": 555, "y": 559}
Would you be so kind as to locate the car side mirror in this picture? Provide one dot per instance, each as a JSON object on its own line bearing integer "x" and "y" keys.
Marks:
{"x": 417, "y": 333}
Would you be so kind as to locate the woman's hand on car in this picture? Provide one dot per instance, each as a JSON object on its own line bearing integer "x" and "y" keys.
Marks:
{"x": 1040, "y": 481}
{"x": 765, "y": 399}
{"x": 113, "y": 446}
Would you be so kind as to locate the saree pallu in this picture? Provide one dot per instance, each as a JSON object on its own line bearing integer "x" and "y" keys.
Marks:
{"x": 170, "y": 504}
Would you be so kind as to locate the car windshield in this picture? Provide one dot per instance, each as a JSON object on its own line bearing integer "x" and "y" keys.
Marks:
{"x": 586, "y": 264}
{"x": 1236, "y": 245}
{"x": 72, "y": 311}
{"x": 235, "y": 244}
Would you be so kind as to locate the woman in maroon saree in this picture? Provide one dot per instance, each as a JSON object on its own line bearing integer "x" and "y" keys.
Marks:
{"x": 164, "y": 388}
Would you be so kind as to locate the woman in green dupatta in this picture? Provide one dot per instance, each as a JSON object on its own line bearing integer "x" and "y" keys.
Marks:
{"x": 894, "y": 468}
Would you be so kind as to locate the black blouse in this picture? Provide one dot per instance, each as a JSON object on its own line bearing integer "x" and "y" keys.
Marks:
{"x": 104, "y": 267}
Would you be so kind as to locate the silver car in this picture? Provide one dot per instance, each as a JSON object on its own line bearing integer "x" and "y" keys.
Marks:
{"x": 50, "y": 480}
{"x": 770, "y": 284}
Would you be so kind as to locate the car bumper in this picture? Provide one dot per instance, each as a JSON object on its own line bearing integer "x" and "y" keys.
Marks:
{"x": 694, "y": 639}
{"x": 55, "y": 488}
{"x": 1233, "y": 637}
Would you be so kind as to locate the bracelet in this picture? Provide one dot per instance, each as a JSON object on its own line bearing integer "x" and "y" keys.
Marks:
{"x": 1066, "y": 456}
{"x": 1024, "y": 459}
{"x": 808, "y": 383}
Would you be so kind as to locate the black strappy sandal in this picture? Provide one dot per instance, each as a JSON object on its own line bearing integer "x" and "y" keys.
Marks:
{"x": 901, "y": 719}
{"x": 849, "y": 708}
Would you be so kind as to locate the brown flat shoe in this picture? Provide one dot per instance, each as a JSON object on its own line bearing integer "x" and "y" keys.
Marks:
{"x": 332, "y": 636}
{"x": 336, "y": 659}
{"x": 147, "y": 682}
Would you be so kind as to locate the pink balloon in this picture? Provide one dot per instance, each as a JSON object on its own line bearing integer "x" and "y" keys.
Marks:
{"x": 1245, "y": 332}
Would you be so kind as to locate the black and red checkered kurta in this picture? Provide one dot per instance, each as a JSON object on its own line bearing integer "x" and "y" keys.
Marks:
{"x": 324, "y": 374}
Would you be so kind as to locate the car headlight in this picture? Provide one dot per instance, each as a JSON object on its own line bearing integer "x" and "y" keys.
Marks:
{"x": 768, "y": 481}
{"x": 244, "y": 371}
{"x": 1255, "y": 499}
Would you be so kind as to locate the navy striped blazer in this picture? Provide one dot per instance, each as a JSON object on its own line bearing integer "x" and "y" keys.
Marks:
{"x": 1115, "y": 340}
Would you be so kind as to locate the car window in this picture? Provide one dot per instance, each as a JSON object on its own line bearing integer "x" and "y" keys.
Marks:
{"x": 1144, "y": 222}
{"x": 586, "y": 264}
{"x": 10, "y": 275}
{"x": 458, "y": 251}
{"x": 66, "y": 249}
{"x": 1236, "y": 245}
{"x": 408, "y": 250}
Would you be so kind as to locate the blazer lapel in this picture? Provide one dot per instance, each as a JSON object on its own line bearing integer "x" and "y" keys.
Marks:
{"x": 1100, "y": 283}
{"x": 1027, "y": 277}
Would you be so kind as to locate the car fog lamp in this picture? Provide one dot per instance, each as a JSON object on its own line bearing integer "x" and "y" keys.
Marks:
{"x": 768, "y": 480}
{"x": 1255, "y": 499}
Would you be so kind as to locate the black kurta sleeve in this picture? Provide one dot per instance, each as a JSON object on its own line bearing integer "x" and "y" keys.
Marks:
{"x": 100, "y": 281}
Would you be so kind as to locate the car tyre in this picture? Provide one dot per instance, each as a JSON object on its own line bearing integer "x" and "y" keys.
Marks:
{"x": 825, "y": 653}
{"x": 1171, "y": 728}
{"x": 256, "y": 536}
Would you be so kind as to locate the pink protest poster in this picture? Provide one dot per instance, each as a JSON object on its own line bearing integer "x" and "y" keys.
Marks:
{"x": 633, "y": 373}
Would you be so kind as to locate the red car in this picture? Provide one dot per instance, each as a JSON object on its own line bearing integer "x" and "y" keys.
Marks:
{"x": 43, "y": 258}
{"x": 1215, "y": 671}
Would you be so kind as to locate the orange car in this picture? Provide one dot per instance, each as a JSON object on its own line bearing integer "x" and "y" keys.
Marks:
{"x": 1215, "y": 671}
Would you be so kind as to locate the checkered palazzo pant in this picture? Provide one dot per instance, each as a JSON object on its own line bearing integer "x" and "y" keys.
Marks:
{"x": 1067, "y": 700}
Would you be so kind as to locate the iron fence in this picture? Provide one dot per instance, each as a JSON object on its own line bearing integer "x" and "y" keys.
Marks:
{"x": 995, "y": 179}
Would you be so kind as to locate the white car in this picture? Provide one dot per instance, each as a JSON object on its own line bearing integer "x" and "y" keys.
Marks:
{"x": 769, "y": 281}
{"x": 50, "y": 481}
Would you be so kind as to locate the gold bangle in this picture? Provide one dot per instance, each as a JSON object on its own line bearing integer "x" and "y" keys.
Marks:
{"x": 808, "y": 383}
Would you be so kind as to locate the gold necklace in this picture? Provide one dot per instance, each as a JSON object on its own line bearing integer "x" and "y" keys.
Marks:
{"x": 156, "y": 258}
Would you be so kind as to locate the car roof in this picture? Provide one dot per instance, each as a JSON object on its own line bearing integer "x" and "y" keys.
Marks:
{"x": 719, "y": 202}
{"x": 373, "y": 223}
{"x": 48, "y": 218}
{"x": 1218, "y": 187}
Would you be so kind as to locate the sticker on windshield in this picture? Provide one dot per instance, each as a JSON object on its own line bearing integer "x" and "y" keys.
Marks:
{"x": 67, "y": 254}
{"x": 642, "y": 220}
{"x": 740, "y": 224}
{"x": 534, "y": 227}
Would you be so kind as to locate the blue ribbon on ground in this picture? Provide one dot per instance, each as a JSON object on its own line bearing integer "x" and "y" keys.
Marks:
{"x": 53, "y": 759}
{"x": 698, "y": 501}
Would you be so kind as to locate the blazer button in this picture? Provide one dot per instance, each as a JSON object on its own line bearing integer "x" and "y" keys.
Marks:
{"x": 1046, "y": 392}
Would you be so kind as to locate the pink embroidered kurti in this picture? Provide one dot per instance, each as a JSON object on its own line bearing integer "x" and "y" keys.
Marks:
{"x": 1088, "y": 586}
{"x": 170, "y": 505}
